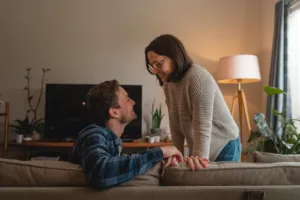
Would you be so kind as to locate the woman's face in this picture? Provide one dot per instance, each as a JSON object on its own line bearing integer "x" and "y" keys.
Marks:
{"x": 160, "y": 65}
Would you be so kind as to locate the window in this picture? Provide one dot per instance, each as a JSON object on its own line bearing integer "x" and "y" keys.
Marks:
{"x": 294, "y": 59}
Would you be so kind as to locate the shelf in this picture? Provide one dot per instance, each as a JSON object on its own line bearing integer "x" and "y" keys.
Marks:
{"x": 70, "y": 144}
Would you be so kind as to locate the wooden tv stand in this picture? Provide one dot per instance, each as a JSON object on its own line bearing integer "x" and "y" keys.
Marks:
{"x": 134, "y": 144}
{"x": 31, "y": 145}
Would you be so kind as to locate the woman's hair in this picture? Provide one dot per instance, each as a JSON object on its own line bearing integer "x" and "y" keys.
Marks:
{"x": 172, "y": 47}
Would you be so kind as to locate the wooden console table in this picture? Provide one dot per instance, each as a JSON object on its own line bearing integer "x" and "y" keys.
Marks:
{"x": 70, "y": 144}
{"x": 38, "y": 144}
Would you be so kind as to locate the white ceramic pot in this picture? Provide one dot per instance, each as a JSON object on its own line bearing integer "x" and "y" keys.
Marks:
{"x": 150, "y": 139}
{"x": 19, "y": 138}
{"x": 157, "y": 139}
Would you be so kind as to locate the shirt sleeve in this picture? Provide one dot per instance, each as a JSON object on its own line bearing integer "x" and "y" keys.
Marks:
{"x": 203, "y": 90}
{"x": 104, "y": 170}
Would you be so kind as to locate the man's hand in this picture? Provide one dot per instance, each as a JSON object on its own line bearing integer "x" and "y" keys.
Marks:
{"x": 195, "y": 162}
{"x": 171, "y": 161}
{"x": 172, "y": 153}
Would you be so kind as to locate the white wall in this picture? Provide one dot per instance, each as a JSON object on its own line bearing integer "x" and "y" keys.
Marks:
{"x": 91, "y": 41}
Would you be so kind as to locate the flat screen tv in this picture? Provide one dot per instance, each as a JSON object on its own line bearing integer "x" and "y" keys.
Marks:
{"x": 65, "y": 111}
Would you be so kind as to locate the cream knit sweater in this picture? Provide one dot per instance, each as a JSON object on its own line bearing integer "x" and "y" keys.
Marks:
{"x": 199, "y": 114}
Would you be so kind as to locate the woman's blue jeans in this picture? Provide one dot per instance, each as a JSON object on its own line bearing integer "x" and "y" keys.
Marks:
{"x": 231, "y": 151}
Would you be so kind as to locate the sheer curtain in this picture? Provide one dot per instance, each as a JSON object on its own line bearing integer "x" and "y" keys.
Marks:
{"x": 294, "y": 59}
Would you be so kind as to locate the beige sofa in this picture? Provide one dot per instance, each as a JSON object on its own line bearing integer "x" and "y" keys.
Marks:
{"x": 270, "y": 176}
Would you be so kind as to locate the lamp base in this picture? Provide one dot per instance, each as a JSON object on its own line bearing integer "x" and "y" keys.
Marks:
{"x": 240, "y": 98}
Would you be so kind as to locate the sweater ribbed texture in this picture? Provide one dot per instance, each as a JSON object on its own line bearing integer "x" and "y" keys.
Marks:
{"x": 199, "y": 114}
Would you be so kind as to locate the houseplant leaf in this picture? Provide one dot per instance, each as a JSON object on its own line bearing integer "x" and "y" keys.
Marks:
{"x": 273, "y": 91}
{"x": 254, "y": 135}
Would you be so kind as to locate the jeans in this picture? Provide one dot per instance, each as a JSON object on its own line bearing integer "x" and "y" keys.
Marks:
{"x": 231, "y": 151}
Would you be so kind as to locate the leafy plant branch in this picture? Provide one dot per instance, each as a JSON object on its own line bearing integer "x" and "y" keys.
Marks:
{"x": 32, "y": 109}
{"x": 27, "y": 126}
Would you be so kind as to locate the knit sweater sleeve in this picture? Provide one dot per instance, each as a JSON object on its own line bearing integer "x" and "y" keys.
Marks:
{"x": 202, "y": 90}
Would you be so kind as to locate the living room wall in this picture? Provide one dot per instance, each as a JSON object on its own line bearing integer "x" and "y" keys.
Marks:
{"x": 92, "y": 41}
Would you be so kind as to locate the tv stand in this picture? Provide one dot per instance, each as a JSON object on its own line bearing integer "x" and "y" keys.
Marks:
{"x": 66, "y": 139}
{"x": 133, "y": 144}
{"x": 32, "y": 146}
{"x": 127, "y": 140}
{"x": 70, "y": 139}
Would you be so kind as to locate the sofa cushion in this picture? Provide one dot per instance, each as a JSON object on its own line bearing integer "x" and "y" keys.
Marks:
{"x": 234, "y": 173}
{"x": 39, "y": 173}
{"x": 264, "y": 157}
{"x": 150, "y": 178}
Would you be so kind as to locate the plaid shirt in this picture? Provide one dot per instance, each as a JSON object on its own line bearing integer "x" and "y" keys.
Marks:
{"x": 98, "y": 151}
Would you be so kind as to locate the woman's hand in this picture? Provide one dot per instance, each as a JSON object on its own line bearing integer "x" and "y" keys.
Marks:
{"x": 195, "y": 162}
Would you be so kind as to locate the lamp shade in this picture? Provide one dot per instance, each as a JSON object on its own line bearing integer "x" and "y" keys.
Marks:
{"x": 238, "y": 68}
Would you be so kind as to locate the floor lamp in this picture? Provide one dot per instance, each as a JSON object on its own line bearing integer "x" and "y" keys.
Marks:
{"x": 239, "y": 69}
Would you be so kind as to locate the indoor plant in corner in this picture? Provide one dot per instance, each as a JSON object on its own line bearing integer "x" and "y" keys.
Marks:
{"x": 31, "y": 127}
{"x": 284, "y": 140}
{"x": 157, "y": 117}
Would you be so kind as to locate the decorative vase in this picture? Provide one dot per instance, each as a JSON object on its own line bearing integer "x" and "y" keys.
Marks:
{"x": 36, "y": 136}
{"x": 19, "y": 138}
{"x": 155, "y": 131}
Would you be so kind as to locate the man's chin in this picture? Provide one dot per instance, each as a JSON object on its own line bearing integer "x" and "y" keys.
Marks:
{"x": 134, "y": 118}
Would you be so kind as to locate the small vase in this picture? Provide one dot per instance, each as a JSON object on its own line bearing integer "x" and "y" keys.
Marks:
{"x": 19, "y": 138}
{"x": 36, "y": 136}
{"x": 156, "y": 131}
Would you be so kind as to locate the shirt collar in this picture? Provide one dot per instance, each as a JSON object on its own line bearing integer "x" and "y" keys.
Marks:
{"x": 117, "y": 141}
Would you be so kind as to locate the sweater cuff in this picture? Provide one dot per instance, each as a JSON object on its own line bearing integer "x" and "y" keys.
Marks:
{"x": 156, "y": 154}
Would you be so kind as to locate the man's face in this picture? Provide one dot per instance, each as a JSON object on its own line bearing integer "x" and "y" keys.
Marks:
{"x": 126, "y": 113}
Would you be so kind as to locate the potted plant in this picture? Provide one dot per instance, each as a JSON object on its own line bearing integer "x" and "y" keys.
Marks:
{"x": 157, "y": 117}
{"x": 31, "y": 127}
{"x": 284, "y": 140}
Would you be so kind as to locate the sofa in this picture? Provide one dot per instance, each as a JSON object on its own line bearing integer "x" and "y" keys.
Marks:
{"x": 268, "y": 177}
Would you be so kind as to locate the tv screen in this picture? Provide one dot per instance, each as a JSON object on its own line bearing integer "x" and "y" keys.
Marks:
{"x": 65, "y": 110}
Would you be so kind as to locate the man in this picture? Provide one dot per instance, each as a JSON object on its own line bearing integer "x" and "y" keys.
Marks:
{"x": 98, "y": 146}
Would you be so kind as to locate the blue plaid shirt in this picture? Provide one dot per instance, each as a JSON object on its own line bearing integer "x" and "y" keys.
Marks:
{"x": 98, "y": 151}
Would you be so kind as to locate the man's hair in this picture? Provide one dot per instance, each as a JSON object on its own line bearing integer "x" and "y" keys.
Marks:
{"x": 170, "y": 46}
{"x": 100, "y": 99}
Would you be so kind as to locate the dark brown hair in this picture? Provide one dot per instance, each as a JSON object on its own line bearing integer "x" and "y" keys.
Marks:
{"x": 100, "y": 99}
{"x": 170, "y": 46}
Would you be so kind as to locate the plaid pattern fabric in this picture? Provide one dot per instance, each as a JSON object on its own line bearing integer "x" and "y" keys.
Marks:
{"x": 98, "y": 151}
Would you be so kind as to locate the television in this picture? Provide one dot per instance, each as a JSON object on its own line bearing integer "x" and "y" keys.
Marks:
{"x": 65, "y": 111}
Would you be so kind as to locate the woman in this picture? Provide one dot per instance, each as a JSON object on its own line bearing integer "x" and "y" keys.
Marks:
{"x": 197, "y": 110}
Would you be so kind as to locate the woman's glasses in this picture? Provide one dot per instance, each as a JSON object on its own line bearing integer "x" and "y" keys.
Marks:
{"x": 154, "y": 68}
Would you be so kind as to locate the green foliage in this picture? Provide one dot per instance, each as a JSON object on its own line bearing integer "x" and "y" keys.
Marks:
{"x": 284, "y": 140}
{"x": 24, "y": 127}
{"x": 273, "y": 91}
{"x": 157, "y": 116}
{"x": 31, "y": 122}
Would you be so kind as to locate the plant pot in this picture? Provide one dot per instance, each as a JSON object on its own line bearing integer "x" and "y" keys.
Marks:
{"x": 36, "y": 136}
{"x": 155, "y": 131}
{"x": 19, "y": 138}
{"x": 27, "y": 138}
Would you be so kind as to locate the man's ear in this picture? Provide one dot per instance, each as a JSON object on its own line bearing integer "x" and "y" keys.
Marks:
{"x": 113, "y": 112}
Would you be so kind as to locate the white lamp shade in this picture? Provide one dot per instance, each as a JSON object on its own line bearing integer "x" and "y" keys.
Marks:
{"x": 238, "y": 68}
